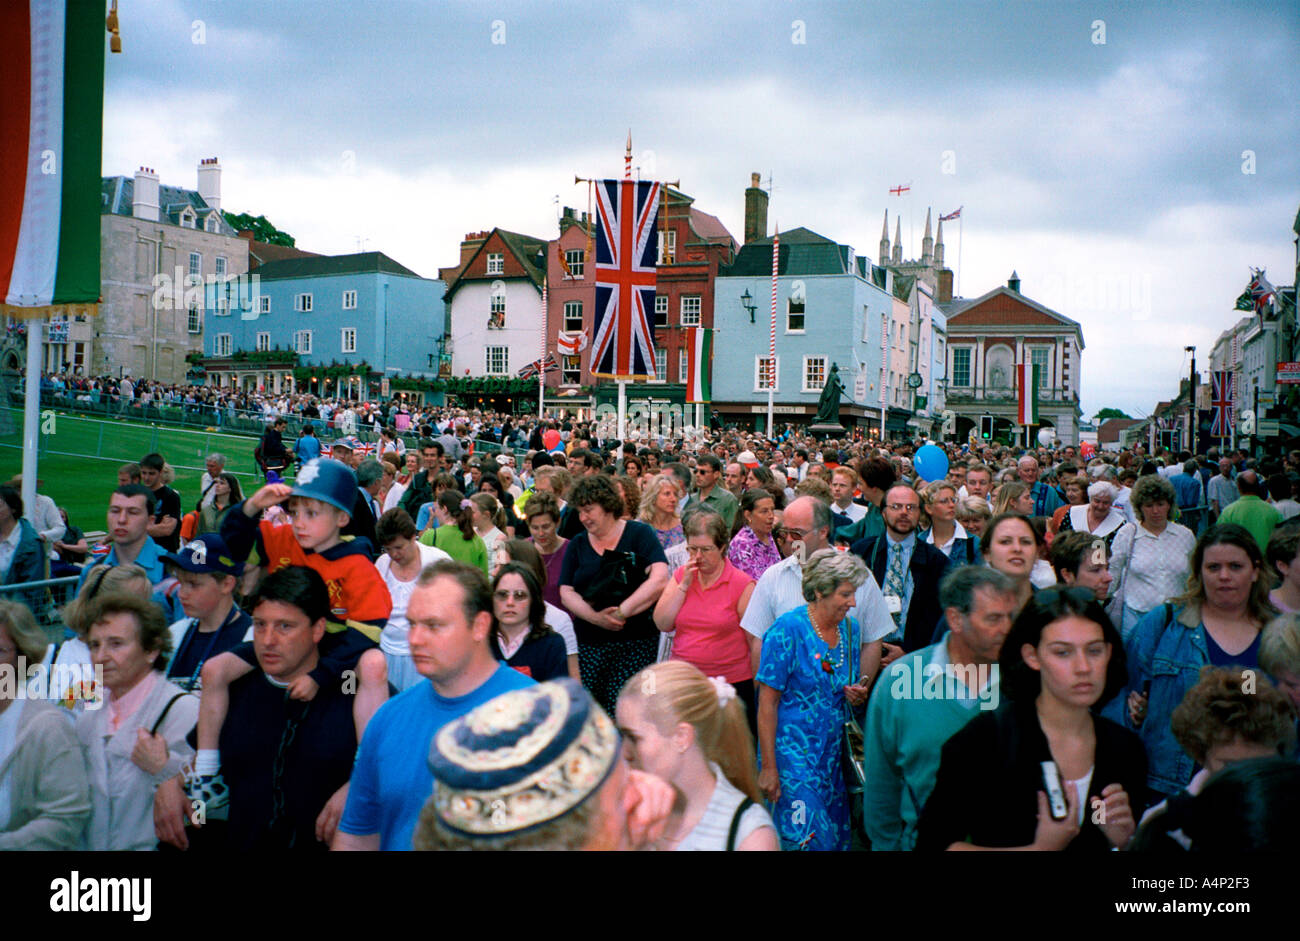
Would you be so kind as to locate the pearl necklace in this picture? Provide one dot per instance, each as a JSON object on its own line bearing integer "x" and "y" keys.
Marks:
{"x": 827, "y": 664}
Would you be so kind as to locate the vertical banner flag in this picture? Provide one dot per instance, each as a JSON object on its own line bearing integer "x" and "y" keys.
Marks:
{"x": 626, "y": 245}
{"x": 699, "y": 365}
{"x": 1027, "y": 389}
{"x": 52, "y": 73}
{"x": 1223, "y": 414}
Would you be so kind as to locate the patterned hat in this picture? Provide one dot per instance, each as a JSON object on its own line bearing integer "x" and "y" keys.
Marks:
{"x": 523, "y": 759}
{"x": 206, "y": 554}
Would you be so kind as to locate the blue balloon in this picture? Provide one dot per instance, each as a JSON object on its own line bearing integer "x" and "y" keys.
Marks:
{"x": 930, "y": 462}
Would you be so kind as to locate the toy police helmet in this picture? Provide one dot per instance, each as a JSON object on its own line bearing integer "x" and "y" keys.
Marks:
{"x": 329, "y": 481}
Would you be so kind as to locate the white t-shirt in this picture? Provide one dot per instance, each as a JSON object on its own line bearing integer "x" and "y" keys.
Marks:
{"x": 710, "y": 834}
{"x": 393, "y": 638}
{"x": 559, "y": 621}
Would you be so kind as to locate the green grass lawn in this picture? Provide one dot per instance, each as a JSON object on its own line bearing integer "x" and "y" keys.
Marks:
{"x": 80, "y": 457}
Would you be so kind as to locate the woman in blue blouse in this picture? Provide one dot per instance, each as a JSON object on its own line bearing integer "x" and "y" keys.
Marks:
{"x": 809, "y": 674}
{"x": 1216, "y": 622}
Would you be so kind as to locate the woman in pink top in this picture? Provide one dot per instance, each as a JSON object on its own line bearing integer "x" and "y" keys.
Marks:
{"x": 704, "y": 602}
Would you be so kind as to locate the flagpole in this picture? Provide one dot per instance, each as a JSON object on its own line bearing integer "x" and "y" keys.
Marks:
{"x": 541, "y": 372}
{"x": 771, "y": 333}
{"x": 622, "y": 383}
{"x": 31, "y": 415}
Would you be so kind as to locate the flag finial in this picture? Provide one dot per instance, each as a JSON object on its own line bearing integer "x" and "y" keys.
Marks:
{"x": 627, "y": 157}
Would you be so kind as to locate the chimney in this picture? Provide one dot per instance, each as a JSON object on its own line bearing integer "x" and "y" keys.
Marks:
{"x": 1014, "y": 282}
{"x": 755, "y": 210}
{"x": 144, "y": 195}
{"x": 471, "y": 244}
{"x": 945, "y": 285}
{"x": 210, "y": 182}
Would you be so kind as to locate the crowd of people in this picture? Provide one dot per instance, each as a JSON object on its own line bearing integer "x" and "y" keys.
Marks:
{"x": 711, "y": 642}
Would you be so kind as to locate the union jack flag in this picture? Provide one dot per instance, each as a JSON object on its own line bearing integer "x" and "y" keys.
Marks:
{"x": 1261, "y": 292}
{"x": 1221, "y": 408}
{"x": 626, "y": 245}
{"x": 529, "y": 371}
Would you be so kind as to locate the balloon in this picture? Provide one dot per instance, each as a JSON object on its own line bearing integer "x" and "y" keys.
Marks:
{"x": 1046, "y": 436}
{"x": 1087, "y": 449}
{"x": 930, "y": 462}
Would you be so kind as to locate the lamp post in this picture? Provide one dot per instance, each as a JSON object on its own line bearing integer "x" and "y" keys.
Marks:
{"x": 747, "y": 302}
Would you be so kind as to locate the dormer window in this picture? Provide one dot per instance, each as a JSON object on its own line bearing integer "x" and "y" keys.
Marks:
{"x": 210, "y": 223}
{"x": 496, "y": 262}
{"x": 187, "y": 218}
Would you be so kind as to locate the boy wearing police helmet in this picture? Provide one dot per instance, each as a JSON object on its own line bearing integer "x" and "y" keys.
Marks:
{"x": 319, "y": 503}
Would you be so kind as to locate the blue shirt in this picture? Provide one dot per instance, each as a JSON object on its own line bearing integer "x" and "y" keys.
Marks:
{"x": 149, "y": 559}
{"x": 391, "y": 780}
{"x": 307, "y": 447}
{"x": 1188, "y": 490}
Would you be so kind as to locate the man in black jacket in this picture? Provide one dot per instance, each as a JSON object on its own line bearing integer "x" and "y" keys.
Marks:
{"x": 908, "y": 571}
{"x": 420, "y": 490}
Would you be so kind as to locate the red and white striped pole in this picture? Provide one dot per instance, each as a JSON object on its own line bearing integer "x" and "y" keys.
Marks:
{"x": 541, "y": 372}
{"x": 771, "y": 333}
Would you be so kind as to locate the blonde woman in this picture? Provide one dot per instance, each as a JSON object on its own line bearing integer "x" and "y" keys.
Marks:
{"x": 659, "y": 500}
{"x": 489, "y": 521}
{"x": 690, "y": 731}
{"x": 1013, "y": 497}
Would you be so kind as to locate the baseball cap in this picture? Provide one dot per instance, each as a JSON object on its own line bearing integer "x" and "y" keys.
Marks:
{"x": 351, "y": 442}
{"x": 206, "y": 555}
{"x": 747, "y": 458}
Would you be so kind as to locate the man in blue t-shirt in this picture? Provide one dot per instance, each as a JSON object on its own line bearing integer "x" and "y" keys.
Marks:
{"x": 450, "y": 617}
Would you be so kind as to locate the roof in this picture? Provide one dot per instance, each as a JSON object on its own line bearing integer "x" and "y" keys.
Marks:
{"x": 261, "y": 253}
{"x": 117, "y": 196}
{"x": 802, "y": 252}
{"x": 710, "y": 228}
{"x": 314, "y": 266}
{"x": 1109, "y": 430}
{"x": 903, "y": 284}
{"x": 1005, "y": 307}
{"x": 530, "y": 251}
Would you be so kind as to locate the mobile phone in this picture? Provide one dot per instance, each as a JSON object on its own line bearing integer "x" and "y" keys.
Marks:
{"x": 1146, "y": 689}
{"x": 1056, "y": 804}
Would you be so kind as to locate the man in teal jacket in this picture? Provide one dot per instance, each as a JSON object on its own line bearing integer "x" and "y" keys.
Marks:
{"x": 924, "y": 697}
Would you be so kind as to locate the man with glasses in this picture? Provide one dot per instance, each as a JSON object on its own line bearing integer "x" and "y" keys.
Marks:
{"x": 780, "y": 589}
{"x": 909, "y": 569}
{"x": 708, "y": 492}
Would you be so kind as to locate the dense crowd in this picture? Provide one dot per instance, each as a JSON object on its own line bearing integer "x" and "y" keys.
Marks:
{"x": 483, "y": 633}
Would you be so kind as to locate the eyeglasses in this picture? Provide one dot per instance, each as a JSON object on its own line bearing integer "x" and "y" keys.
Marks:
{"x": 796, "y": 533}
{"x": 692, "y": 550}
{"x": 901, "y": 507}
{"x": 942, "y": 501}
{"x": 503, "y": 595}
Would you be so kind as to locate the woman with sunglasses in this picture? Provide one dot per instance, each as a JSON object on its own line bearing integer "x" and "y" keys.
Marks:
{"x": 520, "y": 635}
{"x": 1043, "y": 771}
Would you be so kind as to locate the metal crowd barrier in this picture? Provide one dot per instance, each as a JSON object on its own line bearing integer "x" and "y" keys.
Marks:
{"x": 45, "y": 598}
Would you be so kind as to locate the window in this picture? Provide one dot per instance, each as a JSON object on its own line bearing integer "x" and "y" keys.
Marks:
{"x": 571, "y": 370}
{"x": 572, "y": 316}
{"x": 681, "y": 365}
{"x": 210, "y": 223}
{"x": 223, "y": 307}
{"x": 814, "y": 373}
{"x": 961, "y": 365}
{"x": 690, "y": 310}
{"x": 302, "y": 302}
{"x": 78, "y": 355}
{"x": 1040, "y": 356}
{"x": 221, "y": 266}
{"x": 866, "y": 324}
{"x": 263, "y": 342}
{"x": 349, "y": 341}
{"x": 302, "y": 341}
{"x": 195, "y": 324}
{"x": 667, "y": 247}
{"x": 496, "y": 263}
{"x": 575, "y": 259}
{"x": 187, "y": 218}
{"x": 497, "y": 360}
{"x": 264, "y": 304}
{"x": 661, "y": 310}
{"x": 497, "y": 319}
{"x": 349, "y": 300}
{"x": 661, "y": 364}
{"x": 221, "y": 345}
{"x": 766, "y": 374}
{"x": 794, "y": 319}
{"x": 196, "y": 265}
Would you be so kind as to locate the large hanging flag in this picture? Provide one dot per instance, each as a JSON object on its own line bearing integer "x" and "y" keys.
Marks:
{"x": 52, "y": 73}
{"x": 1027, "y": 390}
{"x": 571, "y": 344}
{"x": 699, "y": 365}
{"x": 626, "y": 245}
{"x": 1262, "y": 293}
{"x": 1223, "y": 415}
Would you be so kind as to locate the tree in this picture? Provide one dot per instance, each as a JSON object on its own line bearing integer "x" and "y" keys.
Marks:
{"x": 1106, "y": 413}
{"x": 262, "y": 230}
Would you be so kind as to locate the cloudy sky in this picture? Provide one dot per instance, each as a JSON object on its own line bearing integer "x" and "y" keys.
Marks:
{"x": 1097, "y": 148}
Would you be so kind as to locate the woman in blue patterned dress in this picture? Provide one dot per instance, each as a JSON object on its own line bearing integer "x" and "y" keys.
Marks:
{"x": 810, "y": 668}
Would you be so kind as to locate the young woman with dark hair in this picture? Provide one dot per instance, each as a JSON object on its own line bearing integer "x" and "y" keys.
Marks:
{"x": 520, "y": 635}
{"x": 455, "y": 533}
{"x": 1044, "y": 771}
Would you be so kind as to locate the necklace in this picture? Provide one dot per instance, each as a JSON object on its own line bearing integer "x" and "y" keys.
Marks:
{"x": 828, "y": 665}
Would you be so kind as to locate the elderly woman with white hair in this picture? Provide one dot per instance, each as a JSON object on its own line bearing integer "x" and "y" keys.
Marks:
{"x": 1098, "y": 516}
{"x": 1149, "y": 559}
{"x": 809, "y": 678}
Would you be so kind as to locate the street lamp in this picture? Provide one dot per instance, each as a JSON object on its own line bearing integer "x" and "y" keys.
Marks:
{"x": 747, "y": 302}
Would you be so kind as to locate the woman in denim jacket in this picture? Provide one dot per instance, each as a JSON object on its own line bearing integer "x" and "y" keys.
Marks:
{"x": 1217, "y": 622}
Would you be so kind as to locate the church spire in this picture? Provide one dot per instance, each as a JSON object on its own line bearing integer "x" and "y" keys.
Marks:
{"x": 938, "y": 246}
{"x": 898, "y": 240}
{"x": 884, "y": 240}
{"x": 927, "y": 243}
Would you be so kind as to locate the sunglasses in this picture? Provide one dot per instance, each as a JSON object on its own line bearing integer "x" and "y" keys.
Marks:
{"x": 503, "y": 595}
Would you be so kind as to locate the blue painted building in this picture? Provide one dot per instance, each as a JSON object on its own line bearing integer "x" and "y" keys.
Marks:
{"x": 363, "y": 310}
{"x": 831, "y": 305}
